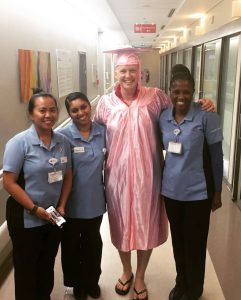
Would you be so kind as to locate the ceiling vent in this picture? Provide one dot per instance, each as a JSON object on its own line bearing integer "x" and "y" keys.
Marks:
{"x": 171, "y": 12}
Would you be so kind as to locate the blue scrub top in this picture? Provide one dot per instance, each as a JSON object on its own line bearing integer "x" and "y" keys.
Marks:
{"x": 87, "y": 198}
{"x": 183, "y": 175}
{"x": 28, "y": 151}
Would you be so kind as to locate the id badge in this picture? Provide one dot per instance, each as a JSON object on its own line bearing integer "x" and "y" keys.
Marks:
{"x": 55, "y": 176}
{"x": 79, "y": 149}
{"x": 174, "y": 147}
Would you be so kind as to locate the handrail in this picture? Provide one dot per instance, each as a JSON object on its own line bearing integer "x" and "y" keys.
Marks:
{"x": 1, "y": 179}
{"x": 110, "y": 88}
{"x": 65, "y": 122}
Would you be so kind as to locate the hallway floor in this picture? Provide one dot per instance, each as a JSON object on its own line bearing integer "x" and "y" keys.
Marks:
{"x": 160, "y": 275}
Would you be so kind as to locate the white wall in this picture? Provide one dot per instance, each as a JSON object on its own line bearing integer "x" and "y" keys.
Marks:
{"x": 44, "y": 25}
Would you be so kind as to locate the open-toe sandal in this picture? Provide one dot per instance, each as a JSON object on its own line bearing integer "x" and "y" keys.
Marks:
{"x": 141, "y": 292}
{"x": 121, "y": 291}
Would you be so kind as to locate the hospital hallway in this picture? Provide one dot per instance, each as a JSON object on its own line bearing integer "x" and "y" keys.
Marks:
{"x": 160, "y": 274}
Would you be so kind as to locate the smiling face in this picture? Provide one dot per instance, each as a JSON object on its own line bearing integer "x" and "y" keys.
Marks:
{"x": 44, "y": 114}
{"x": 127, "y": 76}
{"x": 80, "y": 112}
{"x": 181, "y": 95}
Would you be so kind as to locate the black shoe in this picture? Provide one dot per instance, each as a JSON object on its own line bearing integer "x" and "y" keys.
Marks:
{"x": 79, "y": 293}
{"x": 176, "y": 293}
{"x": 94, "y": 292}
{"x": 190, "y": 297}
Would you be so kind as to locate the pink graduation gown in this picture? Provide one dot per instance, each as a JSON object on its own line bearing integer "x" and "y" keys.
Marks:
{"x": 133, "y": 170}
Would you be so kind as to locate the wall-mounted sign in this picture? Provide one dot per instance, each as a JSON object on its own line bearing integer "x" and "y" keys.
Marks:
{"x": 144, "y": 28}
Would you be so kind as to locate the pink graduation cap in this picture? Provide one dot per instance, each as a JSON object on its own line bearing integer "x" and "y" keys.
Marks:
{"x": 127, "y": 56}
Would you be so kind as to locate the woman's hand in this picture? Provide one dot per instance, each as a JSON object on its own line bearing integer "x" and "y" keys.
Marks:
{"x": 216, "y": 202}
{"x": 207, "y": 104}
{"x": 61, "y": 210}
{"x": 43, "y": 214}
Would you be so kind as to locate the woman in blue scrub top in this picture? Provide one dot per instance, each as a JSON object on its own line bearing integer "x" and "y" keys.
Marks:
{"x": 185, "y": 129}
{"x": 37, "y": 174}
{"x": 81, "y": 240}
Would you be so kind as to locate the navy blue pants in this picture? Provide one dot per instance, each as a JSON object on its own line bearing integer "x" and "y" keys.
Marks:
{"x": 189, "y": 223}
{"x": 81, "y": 246}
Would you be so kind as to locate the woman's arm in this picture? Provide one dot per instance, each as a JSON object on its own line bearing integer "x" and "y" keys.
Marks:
{"x": 207, "y": 104}
{"x": 66, "y": 188}
{"x": 14, "y": 189}
{"x": 216, "y": 156}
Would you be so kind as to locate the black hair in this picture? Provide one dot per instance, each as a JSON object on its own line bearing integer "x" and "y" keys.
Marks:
{"x": 37, "y": 92}
{"x": 181, "y": 72}
{"x": 73, "y": 96}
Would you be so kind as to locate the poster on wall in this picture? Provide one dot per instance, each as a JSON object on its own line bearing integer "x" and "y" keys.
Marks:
{"x": 64, "y": 72}
{"x": 35, "y": 72}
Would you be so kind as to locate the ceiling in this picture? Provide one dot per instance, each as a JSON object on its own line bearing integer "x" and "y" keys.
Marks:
{"x": 130, "y": 12}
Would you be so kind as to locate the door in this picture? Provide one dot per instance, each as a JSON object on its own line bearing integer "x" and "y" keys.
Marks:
{"x": 228, "y": 102}
{"x": 212, "y": 52}
{"x": 197, "y": 71}
{"x": 237, "y": 173}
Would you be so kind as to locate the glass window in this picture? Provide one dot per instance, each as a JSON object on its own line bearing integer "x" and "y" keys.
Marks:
{"x": 211, "y": 69}
{"x": 187, "y": 58}
{"x": 180, "y": 57}
{"x": 162, "y": 73}
{"x": 168, "y": 72}
{"x": 227, "y": 96}
{"x": 174, "y": 58}
{"x": 197, "y": 70}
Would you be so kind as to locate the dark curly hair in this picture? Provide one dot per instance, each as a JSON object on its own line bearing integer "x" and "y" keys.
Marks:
{"x": 181, "y": 72}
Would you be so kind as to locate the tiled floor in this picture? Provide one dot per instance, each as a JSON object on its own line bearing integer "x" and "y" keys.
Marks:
{"x": 159, "y": 277}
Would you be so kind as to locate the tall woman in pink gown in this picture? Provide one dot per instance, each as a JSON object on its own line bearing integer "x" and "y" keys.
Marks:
{"x": 133, "y": 170}
{"x": 136, "y": 212}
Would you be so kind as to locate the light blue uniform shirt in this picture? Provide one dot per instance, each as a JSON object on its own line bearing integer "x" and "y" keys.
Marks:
{"x": 86, "y": 200}
{"x": 183, "y": 175}
{"x": 28, "y": 151}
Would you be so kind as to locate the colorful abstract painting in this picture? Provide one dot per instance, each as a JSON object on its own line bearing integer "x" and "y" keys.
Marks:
{"x": 35, "y": 72}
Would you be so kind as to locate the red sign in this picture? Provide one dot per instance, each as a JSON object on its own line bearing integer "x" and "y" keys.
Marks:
{"x": 145, "y": 28}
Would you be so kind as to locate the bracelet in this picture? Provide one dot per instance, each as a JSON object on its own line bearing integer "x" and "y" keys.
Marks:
{"x": 33, "y": 210}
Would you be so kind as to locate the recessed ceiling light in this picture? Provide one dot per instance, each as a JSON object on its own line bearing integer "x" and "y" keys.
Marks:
{"x": 146, "y": 5}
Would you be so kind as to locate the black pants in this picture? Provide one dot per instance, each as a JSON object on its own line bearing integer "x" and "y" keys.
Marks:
{"x": 189, "y": 223}
{"x": 34, "y": 252}
{"x": 81, "y": 246}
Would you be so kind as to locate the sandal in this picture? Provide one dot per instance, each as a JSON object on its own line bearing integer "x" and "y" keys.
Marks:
{"x": 121, "y": 291}
{"x": 141, "y": 292}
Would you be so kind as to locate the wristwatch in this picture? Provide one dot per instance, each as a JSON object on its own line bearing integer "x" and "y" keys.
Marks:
{"x": 33, "y": 210}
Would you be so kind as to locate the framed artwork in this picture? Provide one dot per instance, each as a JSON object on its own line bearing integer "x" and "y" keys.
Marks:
{"x": 35, "y": 72}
